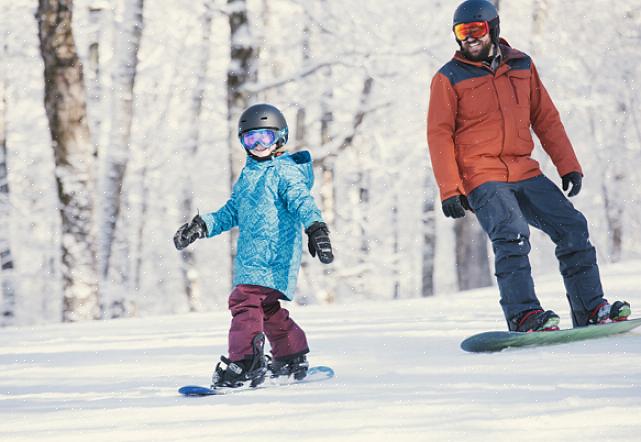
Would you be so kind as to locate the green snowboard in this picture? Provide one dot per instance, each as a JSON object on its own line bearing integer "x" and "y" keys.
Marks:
{"x": 499, "y": 340}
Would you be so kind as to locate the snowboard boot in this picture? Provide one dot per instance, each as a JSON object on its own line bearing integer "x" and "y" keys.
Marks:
{"x": 535, "y": 321}
{"x": 295, "y": 366}
{"x": 250, "y": 370}
{"x": 604, "y": 312}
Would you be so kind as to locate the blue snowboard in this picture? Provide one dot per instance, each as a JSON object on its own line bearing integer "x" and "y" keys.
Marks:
{"x": 499, "y": 340}
{"x": 314, "y": 374}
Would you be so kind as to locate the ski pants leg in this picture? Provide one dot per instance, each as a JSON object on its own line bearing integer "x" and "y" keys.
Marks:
{"x": 497, "y": 209}
{"x": 286, "y": 338}
{"x": 548, "y": 209}
{"x": 256, "y": 309}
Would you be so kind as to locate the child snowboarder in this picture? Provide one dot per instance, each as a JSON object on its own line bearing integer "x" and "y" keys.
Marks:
{"x": 269, "y": 202}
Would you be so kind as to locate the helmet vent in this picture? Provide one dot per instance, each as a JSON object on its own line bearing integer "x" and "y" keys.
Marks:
{"x": 263, "y": 118}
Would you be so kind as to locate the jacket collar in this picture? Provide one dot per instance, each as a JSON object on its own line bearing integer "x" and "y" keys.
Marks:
{"x": 506, "y": 52}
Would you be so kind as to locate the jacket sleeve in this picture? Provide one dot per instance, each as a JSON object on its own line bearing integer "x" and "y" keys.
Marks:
{"x": 223, "y": 219}
{"x": 298, "y": 198}
{"x": 441, "y": 122}
{"x": 547, "y": 125}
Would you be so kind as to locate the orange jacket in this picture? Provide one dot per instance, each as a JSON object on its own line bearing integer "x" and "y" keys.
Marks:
{"x": 478, "y": 124}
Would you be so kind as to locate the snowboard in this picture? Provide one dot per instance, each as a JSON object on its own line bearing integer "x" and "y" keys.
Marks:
{"x": 498, "y": 340}
{"x": 314, "y": 374}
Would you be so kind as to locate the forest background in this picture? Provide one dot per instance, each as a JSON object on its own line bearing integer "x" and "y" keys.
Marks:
{"x": 118, "y": 119}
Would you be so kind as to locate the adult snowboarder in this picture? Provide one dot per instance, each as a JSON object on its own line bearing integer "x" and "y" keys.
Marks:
{"x": 269, "y": 202}
{"x": 482, "y": 105}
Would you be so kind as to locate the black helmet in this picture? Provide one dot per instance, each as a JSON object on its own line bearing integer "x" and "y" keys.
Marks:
{"x": 263, "y": 116}
{"x": 478, "y": 10}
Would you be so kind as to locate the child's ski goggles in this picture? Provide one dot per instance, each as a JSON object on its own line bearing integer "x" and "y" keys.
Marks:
{"x": 260, "y": 139}
{"x": 475, "y": 29}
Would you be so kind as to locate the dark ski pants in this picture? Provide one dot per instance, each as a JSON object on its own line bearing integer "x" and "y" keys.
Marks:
{"x": 256, "y": 309}
{"x": 505, "y": 211}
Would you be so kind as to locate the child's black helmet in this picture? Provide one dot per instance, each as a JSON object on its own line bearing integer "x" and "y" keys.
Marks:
{"x": 263, "y": 116}
{"x": 478, "y": 10}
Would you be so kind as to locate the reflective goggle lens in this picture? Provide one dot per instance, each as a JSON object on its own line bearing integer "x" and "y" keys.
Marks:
{"x": 259, "y": 137}
{"x": 476, "y": 29}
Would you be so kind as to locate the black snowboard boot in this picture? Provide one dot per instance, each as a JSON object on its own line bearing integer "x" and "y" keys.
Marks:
{"x": 295, "y": 366}
{"x": 535, "y": 321}
{"x": 604, "y": 312}
{"x": 250, "y": 370}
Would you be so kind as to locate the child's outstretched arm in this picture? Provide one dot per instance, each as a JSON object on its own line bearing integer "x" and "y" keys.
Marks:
{"x": 223, "y": 219}
{"x": 300, "y": 201}
{"x": 207, "y": 225}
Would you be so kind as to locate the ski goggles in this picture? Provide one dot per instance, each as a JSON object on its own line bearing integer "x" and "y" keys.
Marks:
{"x": 475, "y": 29}
{"x": 260, "y": 139}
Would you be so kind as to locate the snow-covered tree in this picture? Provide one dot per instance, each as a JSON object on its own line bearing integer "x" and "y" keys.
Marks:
{"x": 430, "y": 197}
{"x": 115, "y": 156}
{"x": 189, "y": 269}
{"x": 93, "y": 71}
{"x": 65, "y": 104}
{"x": 7, "y": 273}
{"x": 242, "y": 71}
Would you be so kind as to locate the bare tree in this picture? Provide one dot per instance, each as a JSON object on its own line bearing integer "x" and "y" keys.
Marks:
{"x": 65, "y": 105}
{"x": 611, "y": 135}
{"x": 539, "y": 16}
{"x": 7, "y": 277}
{"x": 308, "y": 287}
{"x": 331, "y": 148}
{"x": 472, "y": 260}
{"x": 242, "y": 71}
{"x": 429, "y": 238}
{"x": 94, "y": 89}
{"x": 327, "y": 175}
{"x": 116, "y": 156}
{"x": 188, "y": 269}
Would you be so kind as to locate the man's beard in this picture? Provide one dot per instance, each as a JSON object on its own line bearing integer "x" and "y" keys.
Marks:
{"x": 481, "y": 56}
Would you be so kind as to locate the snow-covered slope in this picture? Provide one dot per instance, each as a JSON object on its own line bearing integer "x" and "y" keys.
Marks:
{"x": 400, "y": 376}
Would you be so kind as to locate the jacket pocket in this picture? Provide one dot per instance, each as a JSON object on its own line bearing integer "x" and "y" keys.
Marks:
{"x": 524, "y": 134}
{"x": 480, "y": 196}
{"x": 523, "y": 143}
{"x": 520, "y": 83}
{"x": 477, "y": 98}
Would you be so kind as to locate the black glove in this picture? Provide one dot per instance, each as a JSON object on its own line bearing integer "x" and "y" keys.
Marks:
{"x": 576, "y": 179}
{"x": 318, "y": 234}
{"x": 190, "y": 232}
{"x": 455, "y": 206}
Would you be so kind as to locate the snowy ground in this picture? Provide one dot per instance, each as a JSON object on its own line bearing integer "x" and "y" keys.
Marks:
{"x": 400, "y": 376}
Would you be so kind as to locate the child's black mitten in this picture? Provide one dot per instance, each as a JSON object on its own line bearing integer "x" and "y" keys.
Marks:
{"x": 190, "y": 232}
{"x": 318, "y": 234}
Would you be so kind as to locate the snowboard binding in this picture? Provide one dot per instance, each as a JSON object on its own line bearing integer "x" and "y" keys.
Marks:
{"x": 235, "y": 374}
{"x": 604, "y": 313}
{"x": 295, "y": 366}
{"x": 535, "y": 321}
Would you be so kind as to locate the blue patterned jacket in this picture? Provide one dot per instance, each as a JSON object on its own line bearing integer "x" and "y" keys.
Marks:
{"x": 269, "y": 202}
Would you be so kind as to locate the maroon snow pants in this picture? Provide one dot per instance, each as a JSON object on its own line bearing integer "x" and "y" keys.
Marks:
{"x": 256, "y": 309}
